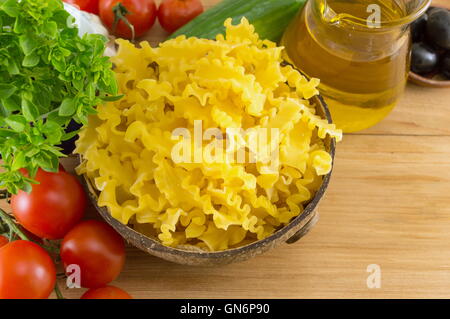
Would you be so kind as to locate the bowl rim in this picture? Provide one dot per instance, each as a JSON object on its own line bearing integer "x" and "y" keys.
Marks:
{"x": 156, "y": 245}
{"x": 428, "y": 82}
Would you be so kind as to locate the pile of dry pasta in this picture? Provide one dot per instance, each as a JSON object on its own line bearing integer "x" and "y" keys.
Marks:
{"x": 212, "y": 203}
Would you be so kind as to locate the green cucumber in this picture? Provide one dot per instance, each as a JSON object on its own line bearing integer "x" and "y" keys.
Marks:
{"x": 270, "y": 18}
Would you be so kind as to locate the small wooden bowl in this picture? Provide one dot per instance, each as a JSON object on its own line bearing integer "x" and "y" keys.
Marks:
{"x": 290, "y": 233}
{"x": 427, "y": 81}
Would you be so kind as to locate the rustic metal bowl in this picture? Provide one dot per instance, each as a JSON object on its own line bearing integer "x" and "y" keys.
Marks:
{"x": 290, "y": 233}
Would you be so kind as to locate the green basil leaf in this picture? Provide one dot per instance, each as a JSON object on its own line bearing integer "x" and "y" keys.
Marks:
{"x": 82, "y": 118}
{"x": 48, "y": 161}
{"x": 4, "y": 112}
{"x": 98, "y": 44}
{"x": 70, "y": 135}
{"x": 21, "y": 25}
{"x": 50, "y": 127}
{"x": 32, "y": 173}
{"x": 54, "y": 150}
{"x": 31, "y": 60}
{"x": 12, "y": 103}
{"x": 54, "y": 117}
{"x": 68, "y": 107}
{"x": 109, "y": 98}
{"x": 32, "y": 152}
{"x": 53, "y": 132}
{"x": 50, "y": 29}
{"x": 28, "y": 44}
{"x": 12, "y": 68}
{"x": 11, "y": 8}
{"x": 91, "y": 90}
{"x": 59, "y": 64}
{"x": 6, "y": 90}
{"x": 17, "y": 122}
{"x": 6, "y": 133}
{"x": 29, "y": 110}
{"x": 19, "y": 161}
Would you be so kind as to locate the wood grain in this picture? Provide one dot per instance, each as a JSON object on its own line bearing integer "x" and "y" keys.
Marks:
{"x": 388, "y": 204}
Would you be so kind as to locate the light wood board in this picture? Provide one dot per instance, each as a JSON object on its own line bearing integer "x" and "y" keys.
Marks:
{"x": 388, "y": 204}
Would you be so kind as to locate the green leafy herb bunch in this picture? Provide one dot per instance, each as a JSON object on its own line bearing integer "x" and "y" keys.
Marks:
{"x": 48, "y": 76}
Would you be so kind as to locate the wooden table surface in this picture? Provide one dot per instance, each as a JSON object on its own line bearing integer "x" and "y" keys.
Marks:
{"x": 388, "y": 204}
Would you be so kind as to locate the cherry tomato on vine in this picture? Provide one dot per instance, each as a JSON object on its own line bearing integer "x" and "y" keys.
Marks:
{"x": 90, "y": 6}
{"x": 53, "y": 207}
{"x": 141, "y": 14}
{"x": 26, "y": 271}
{"x": 108, "y": 292}
{"x": 3, "y": 241}
{"x": 173, "y": 14}
{"x": 97, "y": 249}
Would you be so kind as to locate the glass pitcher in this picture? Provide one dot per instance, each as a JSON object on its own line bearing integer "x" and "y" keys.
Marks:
{"x": 360, "y": 50}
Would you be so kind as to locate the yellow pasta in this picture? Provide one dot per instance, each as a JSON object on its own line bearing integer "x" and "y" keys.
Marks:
{"x": 214, "y": 145}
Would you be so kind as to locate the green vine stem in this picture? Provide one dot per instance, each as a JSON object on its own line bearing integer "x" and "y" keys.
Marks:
{"x": 120, "y": 13}
{"x": 13, "y": 227}
{"x": 58, "y": 293}
{"x": 15, "y": 230}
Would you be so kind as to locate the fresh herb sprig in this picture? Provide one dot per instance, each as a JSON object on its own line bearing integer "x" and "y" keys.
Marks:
{"x": 48, "y": 76}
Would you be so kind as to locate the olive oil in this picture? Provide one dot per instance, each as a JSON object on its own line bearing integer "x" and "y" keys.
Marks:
{"x": 363, "y": 69}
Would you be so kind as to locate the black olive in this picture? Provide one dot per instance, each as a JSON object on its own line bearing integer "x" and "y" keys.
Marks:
{"x": 424, "y": 59}
{"x": 446, "y": 65}
{"x": 438, "y": 28}
{"x": 418, "y": 28}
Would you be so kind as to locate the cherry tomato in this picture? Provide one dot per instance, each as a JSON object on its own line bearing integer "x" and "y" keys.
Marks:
{"x": 97, "y": 249}
{"x": 173, "y": 14}
{"x": 3, "y": 241}
{"x": 140, "y": 13}
{"x": 26, "y": 271}
{"x": 85, "y": 5}
{"x": 53, "y": 207}
{"x": 108, "y": 292}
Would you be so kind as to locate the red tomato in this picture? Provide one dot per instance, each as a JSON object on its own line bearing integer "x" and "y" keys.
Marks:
{"x": 141, "y": 14}
{"x": 85, "y": 5}
{"x": 26, "y": 271}
{"x": 53, "y": 207}
{"x": 97, "y": 249}
{"x": 173, "y": 14}
{"x": 3, "y": 241}
{"x": 108, "y": 292}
